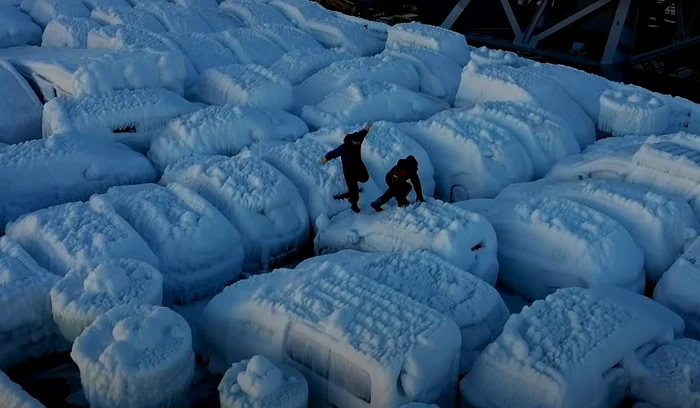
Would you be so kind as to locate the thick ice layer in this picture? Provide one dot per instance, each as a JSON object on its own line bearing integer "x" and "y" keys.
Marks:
{"x": 43, "y": 11}
{"x": 67, "y": 236}
{"x": 382, "y": 149}
{"x": 339, "y": 75}
{"x": 659, "y": 224}
{"x": 316, "y": 183}
{"x": 17, "y": 28}
{"x": 485, "y": 83}
{"x": 545, "y": 137}
{"x": 13, "y": 396}
{"x": 42, "y": 173}
{"x": 86, "y": 292}
{"x": 253, "y": 12}
{"x": 449, "y": 43}
{"x": 251, "y": 46}
{"x": 199, "y": 250}
{"x": 336, "y": 32}
{"x": 367, "y": 102}
{"x": 551, "y": 242}
{"x": 71, "y": 32}
{"x": 475, "y": 306}
{"x": 300, "y": 11}
{"x": 260, "y": 383}
{"x": 460, "y": 237}
{"x": 137, "y": 357}
{"x": 244, "y": 85}
{"x": 129, "y": 116}
{"x": 127, "y": 16}
{"x": 439, "y": 75}
{"x": 298, "y": 65}
{"x": 222, "y": 130}
{"x": 20, "y": 109}
{"x": 485, "y": 56}
{"x": 668, "y": 377}
{"x": 288, "y": 37}
{"x": 26, "y": 330}
{"x": 175, "y": 18}
{"x": 256, "y": 198}
{"x": 569, "y": 350}
{"x": 472, "y": 157}
{"x": 324, "y": 320}
{"x": 203, "y": 51}
{"x": 632, "y": 112}
{"x": 218, "y": 19}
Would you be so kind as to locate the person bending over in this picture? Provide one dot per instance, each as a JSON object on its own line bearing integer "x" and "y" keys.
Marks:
{"x": 398, "y": 178}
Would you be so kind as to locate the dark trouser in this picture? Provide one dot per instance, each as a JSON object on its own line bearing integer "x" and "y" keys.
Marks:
{"x": 399, "y": 191}
{"x": 353, "y": 190}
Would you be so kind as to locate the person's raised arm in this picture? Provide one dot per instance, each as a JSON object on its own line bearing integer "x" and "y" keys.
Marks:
{"x": 333, "y": 154}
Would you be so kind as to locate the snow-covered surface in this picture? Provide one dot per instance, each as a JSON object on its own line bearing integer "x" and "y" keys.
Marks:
{"x": 465, "y": 239}
{"x": 43, "y": 11}
{"x": 203, "y": 50}
{"x": 13, "y": 396}
{"x": 475, "y": 306}
{"x": 125, "y": 37}
{"x": 485, "y": 83}
{"x": 301, "y": 11}
{"x": 439, "y": 75}
{"x": 298, "y": 65}
{"x": 139, "y": 111}
{"x": 323, "y": 322}
{"x": 26, "y": 329}
{"x": 473, "y": 157}
{"x": 126, "y": 16}
{"x": 256, "y": 198}
{"x": 367, "y": 102}
{"x": 335, "y": 32}
{"x": 199, "y": 251}
{"x": 219, "y": 19}
{"x": 486, "y": 55}
{"x": 547, "y": 243}
{"x": 289, "y": 38}
{"x": 449, "y": 43}
{"x": 69, "y": 32}
{"x": 222, "y": 130}
{"x": 243, "y": 85}
{"x": 137, "y": 357}
{"x": 174, "y": 18}
{"x": 253, "y": 12}
{"x": 570, "y": 350}
{"x": 86, "y": 292}
{"x": 668, "y": 377}
{"x": 251, "y": 46}
{"x": 20, "y": 109}
{"x": 632, "y": 112}
{"x": 17, "y": 28}
{"x": 64, "y": 168}
{"x": 660, "y": 225}
{"x": 259, "y": 383}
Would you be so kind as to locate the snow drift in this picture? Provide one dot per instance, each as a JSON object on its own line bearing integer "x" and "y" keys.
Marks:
{"x": 44, "y": 11}
{"x": 174, "y": 18}
{"x": 485, "y": 56}
{"x": 251, "y": 46}
{"x": 288, "y": 37}
{"x": 126, "y": 16}
{"x": 627, "y": 111}
{"x": 414, "y": 34}
{"x": 71, "y": 32}
{"x": 439, "y": 75}
{"x": 349, "y": 36}
{"x": 254, "y": 13}
{"x": 298, "y": 65}
{"x": 17, "y": 28}
{"x": 20, "y": 109}
{"x": 203, "y": 50}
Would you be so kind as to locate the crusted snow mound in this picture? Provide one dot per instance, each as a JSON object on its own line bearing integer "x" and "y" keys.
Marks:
{"x": 222, "y": 130}
{"x": 549, "y": 243}
{"x": 484, "y": 83}
{"x": 197, "y": 4}
{"x": 414, "y": 34}
{"x": 546, "y": 351}
{"x": 13, "y": 396}
{"x": 627, "y": 111}
{"x": 20, "y": 109}
{"x": 199, "y": 250}
{"x": 67, "y": 236}
{"x": 339, "y": 75}
{"x": 253, "y": 12}
{"x": 465, "y": 239}
{"x": 316, "y": 183}
{"x": 251, "y": 46}
{"x": 86, "y": 292}
{"x": 364, "y": 102}
{"x": 26, "y": 330}
{"x": 288, "y": 37}
{"x": 260, "y": 383}
{"x": 256, "y": 198}
{"x": 71, "y": 32}
{"x": 336, "y": 32}
{"x": 473, "y": 157}
{"x": 545, "y": 137}
{"x": 129, "y": 116}
{"x": 668, "y": 376}
{"x": 137, "y": 357}
{"x": 126, "y": 16}
{"x": 17, "y": 28}
{"x": 439, "y": 75}
{"x": 300, "y": 11}
{"x": 203, "y": 50}
{"x": 43, "y": 11}
{"x": 218, "y": 19}
{"x": 298, "y": 65}
{"x": 659, "y": 224}
{"x": 41, "y": 173}
{"x": 470, "y": 302}
{"x": 129, "y": 37}
{"x": 484, "y": 55}
{"x": 323, "y": 320}
{"x": 174, "y": 18}
{"x": 243, "y": 85}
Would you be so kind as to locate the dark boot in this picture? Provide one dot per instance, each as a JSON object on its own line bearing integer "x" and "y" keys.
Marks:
{"x": 376, "y": 205}
{"x": 354, "y": 207}
{"x": 402, "y": 203}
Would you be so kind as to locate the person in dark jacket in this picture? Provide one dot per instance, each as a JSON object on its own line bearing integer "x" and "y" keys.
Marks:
{"x": 398, "y": 178}
{"x": 354, "y": 169}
